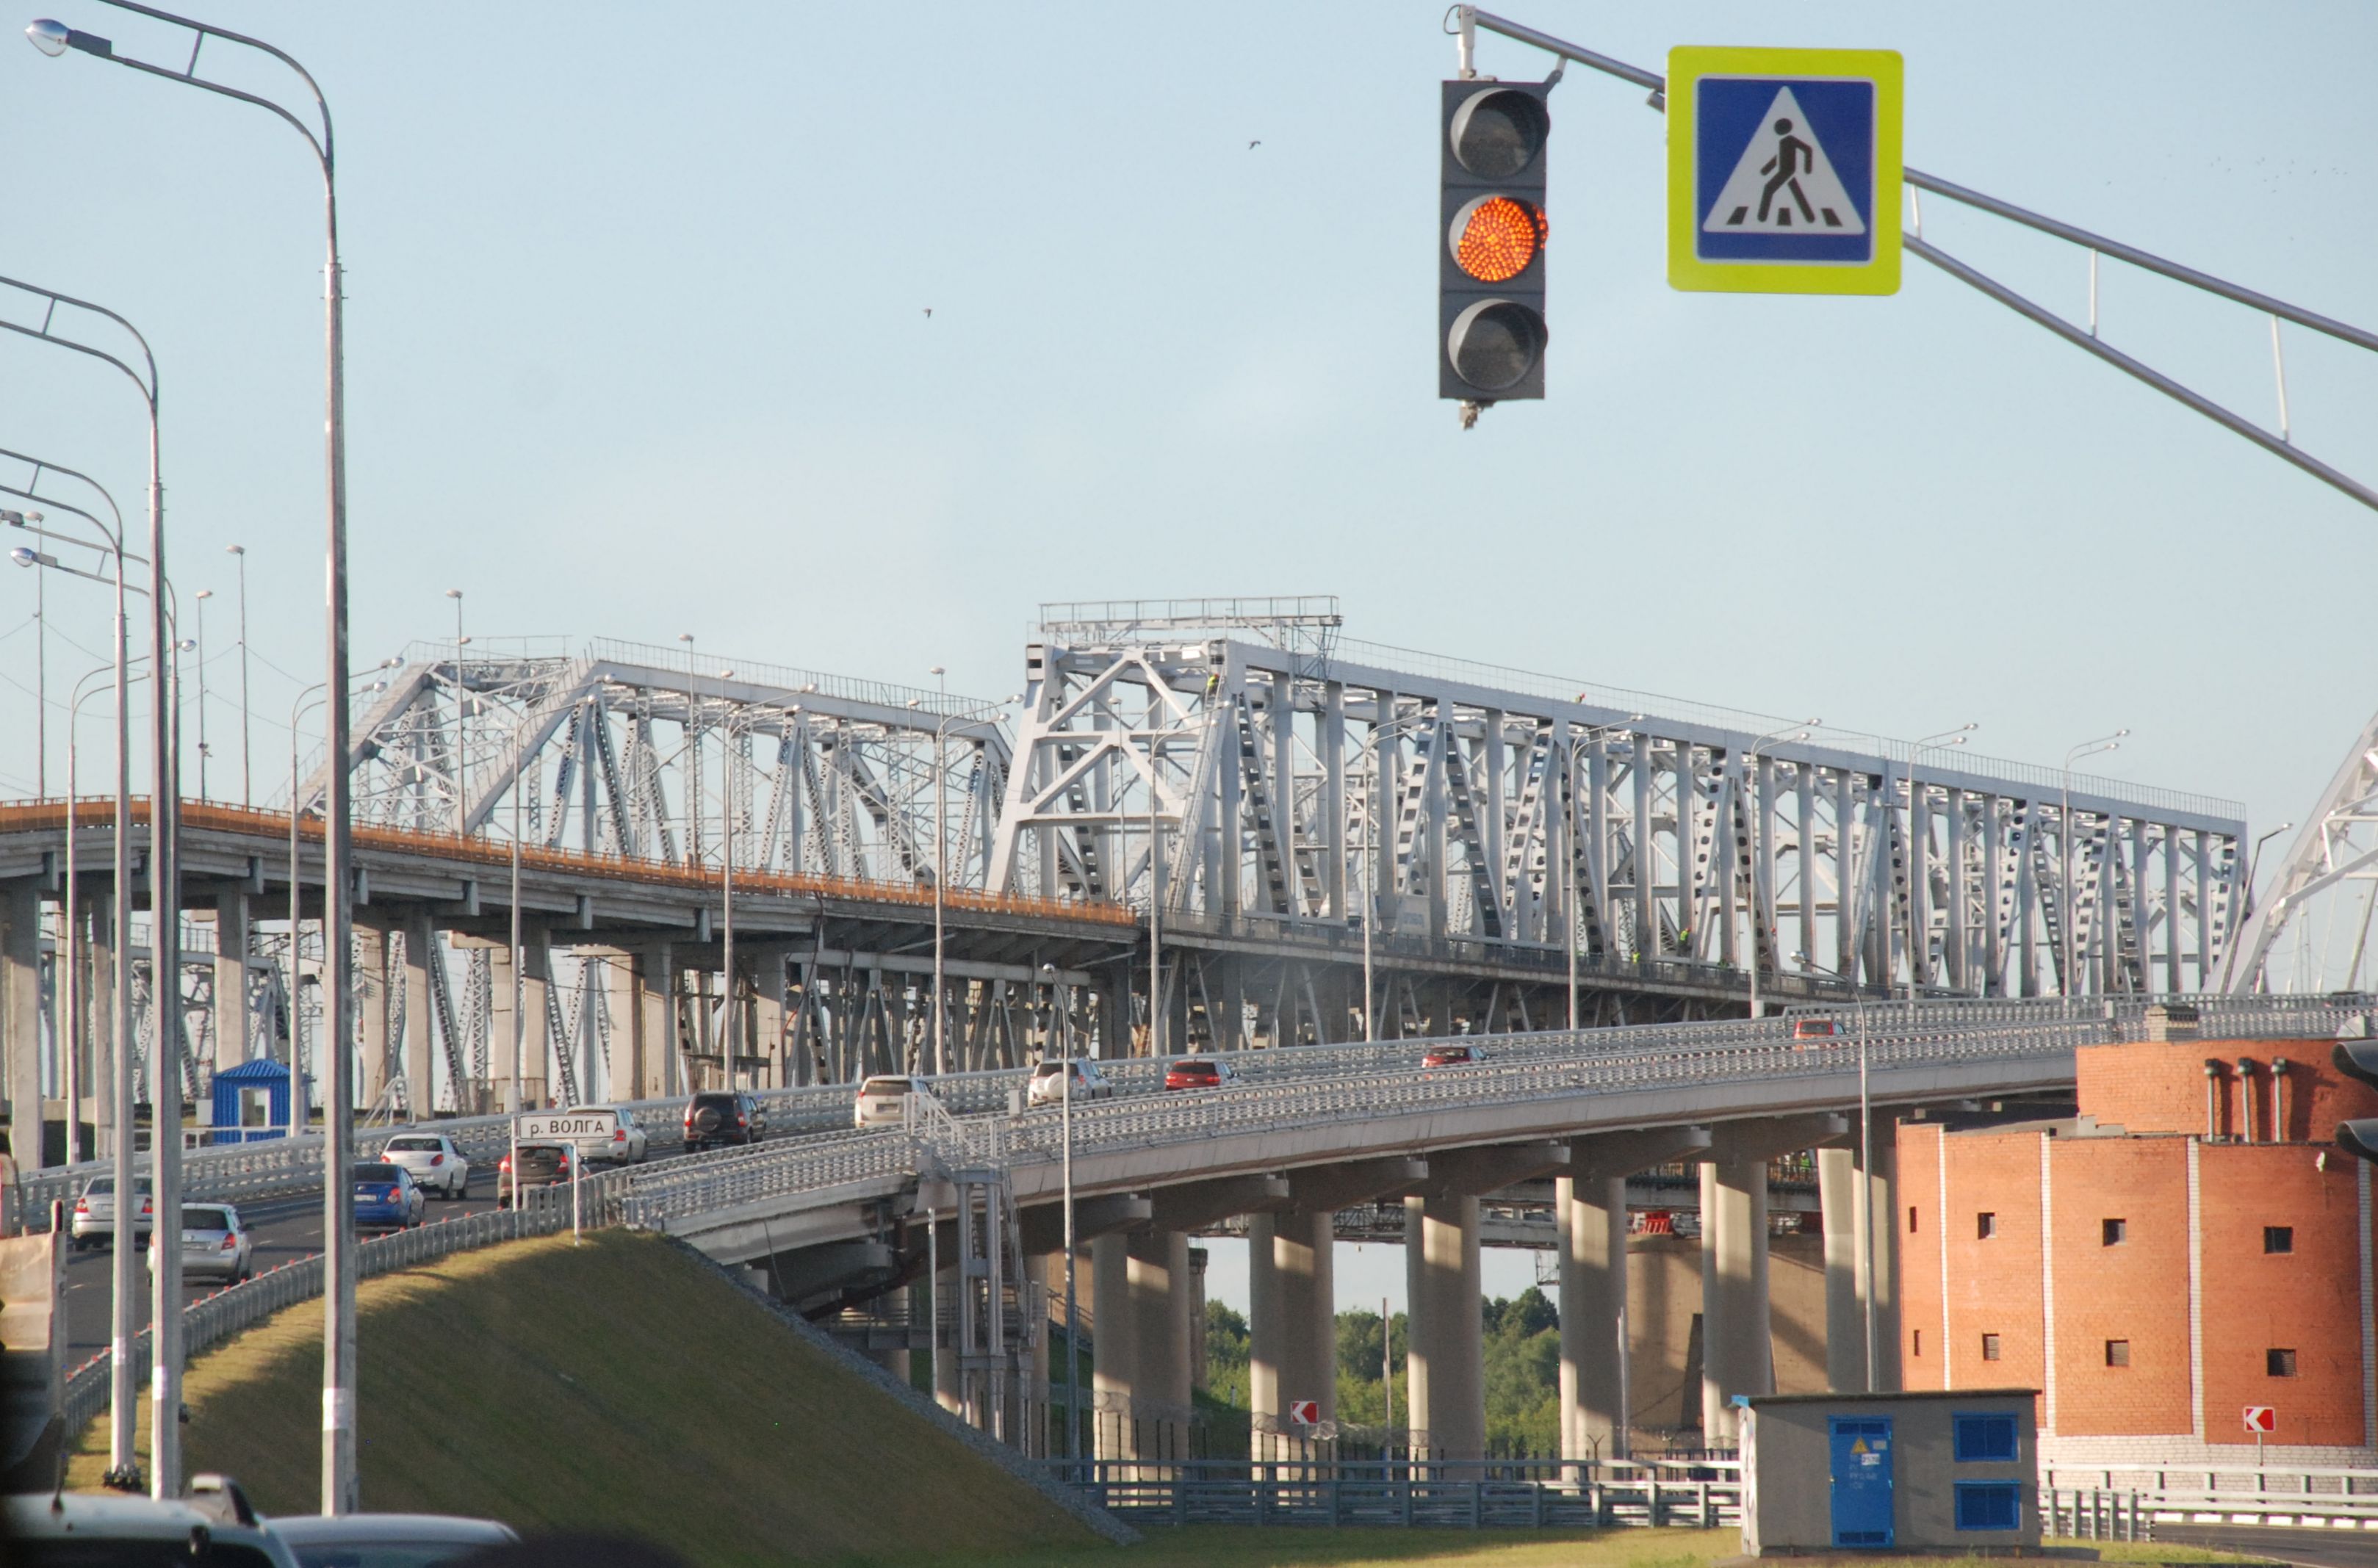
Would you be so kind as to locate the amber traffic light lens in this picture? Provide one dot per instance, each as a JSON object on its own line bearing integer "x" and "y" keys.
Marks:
{"x": 1495, "y": 237}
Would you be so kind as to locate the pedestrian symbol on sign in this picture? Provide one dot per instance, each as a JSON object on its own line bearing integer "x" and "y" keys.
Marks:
{"x": 1784, "y": 182}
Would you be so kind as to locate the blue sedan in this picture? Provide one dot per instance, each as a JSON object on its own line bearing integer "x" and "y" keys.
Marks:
{"x": 387, "y": 1198}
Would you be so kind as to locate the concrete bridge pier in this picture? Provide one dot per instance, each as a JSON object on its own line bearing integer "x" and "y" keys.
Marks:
{"x": 371, "y": 1009}
{"x": 1158, "y": 1284}
{"x": 1291, "y": 1329}
{"x": 1737, "y": 1349}
{"x": 1848, "y": 1222}
{"x": 230, "y": 978}
{"x": 1444, "y": 1352}
{"x": 1590, "y": 1217}
{"x": 20, "y": 1017}
{"x": 420, "y": 946}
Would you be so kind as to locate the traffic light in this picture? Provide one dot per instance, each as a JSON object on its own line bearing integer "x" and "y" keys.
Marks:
{"x": 1490, "y": 234}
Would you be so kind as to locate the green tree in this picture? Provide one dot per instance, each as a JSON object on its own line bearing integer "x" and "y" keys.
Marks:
{"x": 1225, "y": 1355}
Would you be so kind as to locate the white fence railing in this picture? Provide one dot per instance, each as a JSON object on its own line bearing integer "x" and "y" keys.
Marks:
{"x": 2101, "y": 1501}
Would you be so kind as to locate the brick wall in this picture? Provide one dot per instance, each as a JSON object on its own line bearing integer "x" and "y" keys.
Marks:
{"x": 1918, "y": 1222}
{"x": 2148, "y": 1087}
{"x": 1994, "y": 1286}
{"x": 2134, "y": 1291}
{"x": 2308, "y": 1300}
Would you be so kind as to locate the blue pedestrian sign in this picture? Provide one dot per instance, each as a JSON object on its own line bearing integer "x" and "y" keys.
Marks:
{"x": 1783, "y": 170}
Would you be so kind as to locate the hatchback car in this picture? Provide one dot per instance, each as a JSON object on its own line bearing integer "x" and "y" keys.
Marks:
{"x": 1048, "y": 1085}
{"x": 1805, "y": 1030}
{"x": 540, "y": 1165}
{"x": 94, "y": 1213}
{"x": 215, "y": 1245}
{"x": 438, "y": 1168}
{"x": 1451, "y": 1055}
{"x": 719, "y": 1119}
{"x": 627, "y": 1144}
{"x": 1199, "y": 1073}
{"x": 385, "y": 1540}
{"x": 387, "y": 1198}
{"x": 882, "y": 1098}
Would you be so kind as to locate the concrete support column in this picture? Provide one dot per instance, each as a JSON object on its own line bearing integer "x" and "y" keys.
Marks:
{"x": 771, "y": 994}
{"x": 1112, "y": 1367}
{"x": 949, "y": 1388}
{"x": 1736, "y": 1357}
{"x": 657, "y": 1071}
{"x": 371, "y": 1012}
{"x": 499, "y": 1029}
{"x": 1158, "y": 1292}
{"x": 539, "y": 1082}
{"x": 420, "y": 1020}
{"x": 1291, "y": 1328}
{"x": 1837, "y": 1189}
{"x": 1880, "y": 1214}
{"x": 230, "y": 979}
{"x": 1444, "y": 1361}
{"x": 1590, "y": 1215}
{"x": 20, "y": 1017}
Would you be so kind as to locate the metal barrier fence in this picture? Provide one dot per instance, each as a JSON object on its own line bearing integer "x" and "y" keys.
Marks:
{"x": 1443, "y": 1494}
{"x": 2137, "y": 1497}
{"x": 214, "y": 1318}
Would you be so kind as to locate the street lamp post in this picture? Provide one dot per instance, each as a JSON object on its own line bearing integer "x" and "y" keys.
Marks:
{"x": 461, "y": 723}
{"x": 306, "y": 700}
{"x": 2066, "y": 980}
{"x": 1917, "y": 851}
{"x": 202, "y": 597}
{"x": 247, "y": 759}
{"x": 164, "y": 885}
{"x": 339, "y": 1487}
{"x": 1750, "y": 813}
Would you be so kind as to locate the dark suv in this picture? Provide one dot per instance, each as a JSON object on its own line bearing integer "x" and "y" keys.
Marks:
{"x": 719, "y": 1119}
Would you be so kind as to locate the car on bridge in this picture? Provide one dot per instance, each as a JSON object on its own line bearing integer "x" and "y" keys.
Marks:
{"x": 94, "y": 1213}
{"x": 387, "y": 1198}
{"x": 438, "y": 1165}
{"x": 627, "y": 1144}
{"x": 1199, "y": 1073}
{"x": 882, "y": 1097}
{"x": 1048, "y": 1085}
{"x": 1807, "y": 1029}
{"x": 1451, "y": 1055}
{"x": 721, "y": 1119}
{"x": 215, "y": 1245}
{"x": 540, "y": 1165}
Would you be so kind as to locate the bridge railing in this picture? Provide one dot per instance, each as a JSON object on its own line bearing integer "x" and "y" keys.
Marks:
{"x": 1457, "y": 1494}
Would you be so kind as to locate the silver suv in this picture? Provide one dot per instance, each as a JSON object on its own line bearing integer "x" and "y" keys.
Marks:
{"x": 94, "y": 1213}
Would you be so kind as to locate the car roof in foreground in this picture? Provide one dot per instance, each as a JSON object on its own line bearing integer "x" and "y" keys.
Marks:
{"x": 103, "y": 1516}
{"x": 363, "y": 1529}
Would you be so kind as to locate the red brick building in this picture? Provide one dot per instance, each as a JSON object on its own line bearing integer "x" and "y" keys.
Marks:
{"x": 2193, "y": 1243}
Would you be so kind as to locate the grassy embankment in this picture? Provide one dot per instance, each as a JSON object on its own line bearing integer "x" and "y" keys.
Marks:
{"x": 619, "y": 1385}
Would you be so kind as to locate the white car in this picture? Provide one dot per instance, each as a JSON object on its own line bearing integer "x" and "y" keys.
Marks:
{"x": 94, "y": 1213}
{"x": 1048, "y": 1085}
{"x": 626, "y": 1144}
{"x": 76, "y": 1526}
{"x": 215, "y": 1245}
{"x": 882, "y": 1096}
{"x": 438, "y": 1168}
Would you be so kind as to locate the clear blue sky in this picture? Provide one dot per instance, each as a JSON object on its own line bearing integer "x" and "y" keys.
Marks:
{"x": 638, "y": 347}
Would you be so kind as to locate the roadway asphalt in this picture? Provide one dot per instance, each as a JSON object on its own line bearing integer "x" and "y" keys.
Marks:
{"x": 2312, "y": 1548}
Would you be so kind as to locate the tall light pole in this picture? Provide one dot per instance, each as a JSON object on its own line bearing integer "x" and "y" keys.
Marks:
{"x": 338, "y": 1490}
{"x": 164, "y": 876}
{"x": 2066, "y": 978}
{"x": 306, "y": 700}
{"x": 1865, "y": 1166}
{"x": 1919, "y": 853}
{"x": 461, "y": 723}
{"x": 1757, "y": 861}
{"x": 247, "y": 760}
{"x": 202, "y": 597}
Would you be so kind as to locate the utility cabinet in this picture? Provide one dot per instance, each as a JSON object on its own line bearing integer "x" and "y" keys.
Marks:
{"x": 1890, "y": 1472}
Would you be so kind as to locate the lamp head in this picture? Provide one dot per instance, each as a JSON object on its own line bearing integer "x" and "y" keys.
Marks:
{"x": 13, "y": 519}
{"x": 54, "y": 38}
{"x": 453, "y": 593}
{"x": 24, "y": 558}
{"x": 205, "y": 594}
{"x": 187, "y": 645}
{"x": 235, "y": 549}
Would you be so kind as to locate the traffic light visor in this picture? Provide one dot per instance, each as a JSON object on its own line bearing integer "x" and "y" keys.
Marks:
{"x": 1496, "y": 343}
{"x": 1495, "y": 237}
{"x": 1496, "y": 133}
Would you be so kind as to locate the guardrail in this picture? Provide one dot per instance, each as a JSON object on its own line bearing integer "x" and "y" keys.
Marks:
{"x": 1444, "y": 1494}
{"x": 2100, "y": 1501}
{"x": 213, "y": 1318}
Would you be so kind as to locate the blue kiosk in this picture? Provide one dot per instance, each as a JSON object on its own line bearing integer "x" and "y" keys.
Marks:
{"x": 252, "y": 1102}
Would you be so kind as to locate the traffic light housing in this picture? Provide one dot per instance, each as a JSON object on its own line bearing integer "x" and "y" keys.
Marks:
{"x": 1490, "y": 234}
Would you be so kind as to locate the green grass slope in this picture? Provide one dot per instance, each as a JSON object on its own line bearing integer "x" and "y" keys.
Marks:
{"x": 618, "y": 1385}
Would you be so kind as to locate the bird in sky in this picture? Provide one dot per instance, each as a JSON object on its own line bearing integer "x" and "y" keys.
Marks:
{"x": 1253, "y": 145}
{"x": 928, "y": 312}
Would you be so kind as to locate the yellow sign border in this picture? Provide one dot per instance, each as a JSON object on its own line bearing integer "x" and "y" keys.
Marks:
{"x": 1688, "y": 64}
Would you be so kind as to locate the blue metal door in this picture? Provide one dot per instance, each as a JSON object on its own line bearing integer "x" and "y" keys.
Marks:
{"x": 1861, "y": 1480}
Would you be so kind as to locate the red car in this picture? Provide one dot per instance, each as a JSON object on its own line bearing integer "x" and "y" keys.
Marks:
{"x": 1451, "y": 1055}
{"x": 1199, "y": 1073}
{"x": 1807, "y": 1029}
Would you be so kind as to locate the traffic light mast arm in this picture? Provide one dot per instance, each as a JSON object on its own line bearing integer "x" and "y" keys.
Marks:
{"x": 1469, "y": 18}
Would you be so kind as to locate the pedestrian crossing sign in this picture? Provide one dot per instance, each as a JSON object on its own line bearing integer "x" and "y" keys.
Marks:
{"x": 1783, "y": 170}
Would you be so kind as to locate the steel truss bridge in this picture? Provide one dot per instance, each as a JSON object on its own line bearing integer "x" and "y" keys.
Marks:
{"x": 1236, "y": 774}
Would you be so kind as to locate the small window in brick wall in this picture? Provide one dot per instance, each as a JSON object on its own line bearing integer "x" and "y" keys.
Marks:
{"x": 2278, "y": 1238}
{"x": 1989, "y": 1347}
{"x": 1986, "y": 1226}
{"x": 2117, "y": 1352}
{"x": 2117, "y": 1231}
{"x": 1911, "y": 1219}
{"x": 1915, "y": 1341}
{"x": 2280, "y": 1363}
